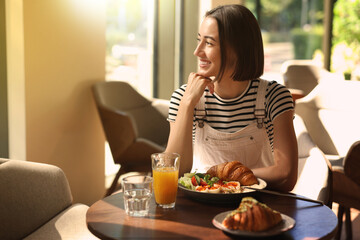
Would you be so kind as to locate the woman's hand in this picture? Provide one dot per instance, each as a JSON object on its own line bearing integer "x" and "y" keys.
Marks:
{"x": 195, "y": 88}
{"x": 180, "y": 138}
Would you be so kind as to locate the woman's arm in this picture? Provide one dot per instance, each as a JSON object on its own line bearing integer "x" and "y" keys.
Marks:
{"x": 180, "y": 138}
{"x": 282, "y": 175}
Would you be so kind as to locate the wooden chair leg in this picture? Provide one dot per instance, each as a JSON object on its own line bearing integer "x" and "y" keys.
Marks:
{"x": 348, "y": 224}
{"x": 340, "y": 215}
{"x": 114, "y": 184}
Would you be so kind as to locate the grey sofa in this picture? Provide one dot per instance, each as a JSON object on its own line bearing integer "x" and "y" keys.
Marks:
{"x": 36, "y": 203}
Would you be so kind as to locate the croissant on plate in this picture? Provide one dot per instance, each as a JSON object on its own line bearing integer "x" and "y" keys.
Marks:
{"x": 233, "y": 171}
{"x": 253, "y": 216}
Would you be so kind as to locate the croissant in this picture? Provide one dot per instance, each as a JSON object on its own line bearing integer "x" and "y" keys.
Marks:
{"x": 233, "y": 171}
{"x": 253, "y": 216}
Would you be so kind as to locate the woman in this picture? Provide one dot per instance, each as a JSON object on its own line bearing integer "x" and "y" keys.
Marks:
{"x": 226, "y": 112}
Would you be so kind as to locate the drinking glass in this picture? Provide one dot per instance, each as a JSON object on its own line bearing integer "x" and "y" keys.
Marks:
{"x": 137, "y": 193}
{"x": 165, "y": 169}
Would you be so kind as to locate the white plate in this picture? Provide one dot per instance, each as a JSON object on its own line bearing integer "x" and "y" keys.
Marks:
{"x": 286, "y": 224}
{"x": 221, "y": 198}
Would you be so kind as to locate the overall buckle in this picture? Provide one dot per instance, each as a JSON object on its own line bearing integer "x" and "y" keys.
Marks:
{"x": 200, "y": 116}
{"x": 260, "y": 115}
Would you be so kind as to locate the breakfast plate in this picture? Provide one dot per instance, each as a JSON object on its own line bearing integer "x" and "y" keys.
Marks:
{"x": 286, "y": 224}
{"x": 221, "y": 198}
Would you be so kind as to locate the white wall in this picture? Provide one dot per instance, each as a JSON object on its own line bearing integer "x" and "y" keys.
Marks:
{"x": 56, "y": 51}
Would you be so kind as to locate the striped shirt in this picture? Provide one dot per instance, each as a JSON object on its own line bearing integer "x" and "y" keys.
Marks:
{"x": 231, "y": 115}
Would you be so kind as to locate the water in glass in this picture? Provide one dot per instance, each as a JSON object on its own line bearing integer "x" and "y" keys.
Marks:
{"x": 137, "y": 202}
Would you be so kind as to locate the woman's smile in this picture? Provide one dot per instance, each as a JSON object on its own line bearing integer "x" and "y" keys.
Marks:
{"x": 204, "y": 63}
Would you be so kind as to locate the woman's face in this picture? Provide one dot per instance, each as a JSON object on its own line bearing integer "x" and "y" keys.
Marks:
{"x": 208, "y": 48}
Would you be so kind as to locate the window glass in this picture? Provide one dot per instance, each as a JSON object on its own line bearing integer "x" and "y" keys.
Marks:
{"x": 129, "y": 52}
{"x": 292, "y": 29}
{"x": 129, "y": 38}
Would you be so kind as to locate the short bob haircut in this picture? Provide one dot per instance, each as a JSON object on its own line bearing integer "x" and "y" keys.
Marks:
{"x": 239, "y": 32}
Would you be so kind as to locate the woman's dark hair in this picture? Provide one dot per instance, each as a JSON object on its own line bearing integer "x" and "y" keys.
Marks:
{"x": 240, "y": 33}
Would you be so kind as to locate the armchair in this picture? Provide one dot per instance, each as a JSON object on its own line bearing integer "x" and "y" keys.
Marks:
{"x": 36, "y": 203}
{"x": 134, "y": 126}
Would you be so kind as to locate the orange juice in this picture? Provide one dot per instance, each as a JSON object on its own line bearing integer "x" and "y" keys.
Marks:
{"x": 165, "y": 184}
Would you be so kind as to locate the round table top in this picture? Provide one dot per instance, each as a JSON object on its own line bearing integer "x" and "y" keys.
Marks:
{"x": 191, "y": 219}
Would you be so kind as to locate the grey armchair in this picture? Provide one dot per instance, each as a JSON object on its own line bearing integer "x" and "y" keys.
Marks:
{"x": 36, "y": 203}
{"x": 134, "y": 126}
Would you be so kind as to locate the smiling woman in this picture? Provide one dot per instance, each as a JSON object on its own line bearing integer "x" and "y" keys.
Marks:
{"x": 238, "y": 117}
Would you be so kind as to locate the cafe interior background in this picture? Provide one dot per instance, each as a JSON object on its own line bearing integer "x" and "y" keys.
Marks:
{"x": 52, "y": 52}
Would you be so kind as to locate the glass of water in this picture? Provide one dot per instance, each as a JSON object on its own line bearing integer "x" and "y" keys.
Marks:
{"x": 137, "y": 193}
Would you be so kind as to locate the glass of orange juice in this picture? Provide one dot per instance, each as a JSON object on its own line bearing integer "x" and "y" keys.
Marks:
{"x": 165, "y": 169}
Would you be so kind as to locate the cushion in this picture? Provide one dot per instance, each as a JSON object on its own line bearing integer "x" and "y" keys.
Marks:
{"x": 314, "y": 185}
{"x": 69, "y": 224}
{"x": 305, "y": 143}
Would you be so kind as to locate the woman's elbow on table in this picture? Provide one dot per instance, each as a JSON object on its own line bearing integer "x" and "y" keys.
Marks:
{"x": 288, "y": 179}
{"x": 278, "y": 178}
{"x": 289, "y": 183}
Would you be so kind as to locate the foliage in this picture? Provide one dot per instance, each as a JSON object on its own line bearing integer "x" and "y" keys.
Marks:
{"x": 346, "y": 35}
{"x": 279, "y": 17}
{"x": 347, "y": 22}
{"x": 274, "y": 7}
{"x": 125, "y": 17}
{"x": 306, "y": 41}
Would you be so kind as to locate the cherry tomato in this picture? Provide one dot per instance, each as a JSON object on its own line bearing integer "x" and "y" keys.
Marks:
{"x": 193, "y": 181}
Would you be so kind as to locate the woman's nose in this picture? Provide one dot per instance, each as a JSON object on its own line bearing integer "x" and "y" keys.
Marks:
{"x": 198, "y": 50}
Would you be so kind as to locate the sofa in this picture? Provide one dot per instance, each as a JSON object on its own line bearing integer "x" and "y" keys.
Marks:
{"x": 36, "y": 203}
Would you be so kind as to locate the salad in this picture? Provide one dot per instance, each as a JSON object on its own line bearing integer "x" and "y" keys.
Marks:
{"x": 205, "y": 183}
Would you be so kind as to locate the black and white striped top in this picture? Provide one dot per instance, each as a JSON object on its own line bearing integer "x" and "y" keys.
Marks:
{"x": 231, "y": 115}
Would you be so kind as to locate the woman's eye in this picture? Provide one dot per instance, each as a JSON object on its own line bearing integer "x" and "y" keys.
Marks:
{"x": 206, "y": 42}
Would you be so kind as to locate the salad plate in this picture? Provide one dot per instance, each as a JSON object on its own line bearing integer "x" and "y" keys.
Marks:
{"x": 286, "y": 224}
{"x": 221, "y": 198}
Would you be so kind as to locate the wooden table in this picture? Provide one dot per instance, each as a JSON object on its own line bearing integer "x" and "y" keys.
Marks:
{"x": 190, "y": 219}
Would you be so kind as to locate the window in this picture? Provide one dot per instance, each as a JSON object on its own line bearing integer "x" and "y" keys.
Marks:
{"x": 129, "y": 38}
{"x": 129, "y": 52}
{"x": 291, "y": 30}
